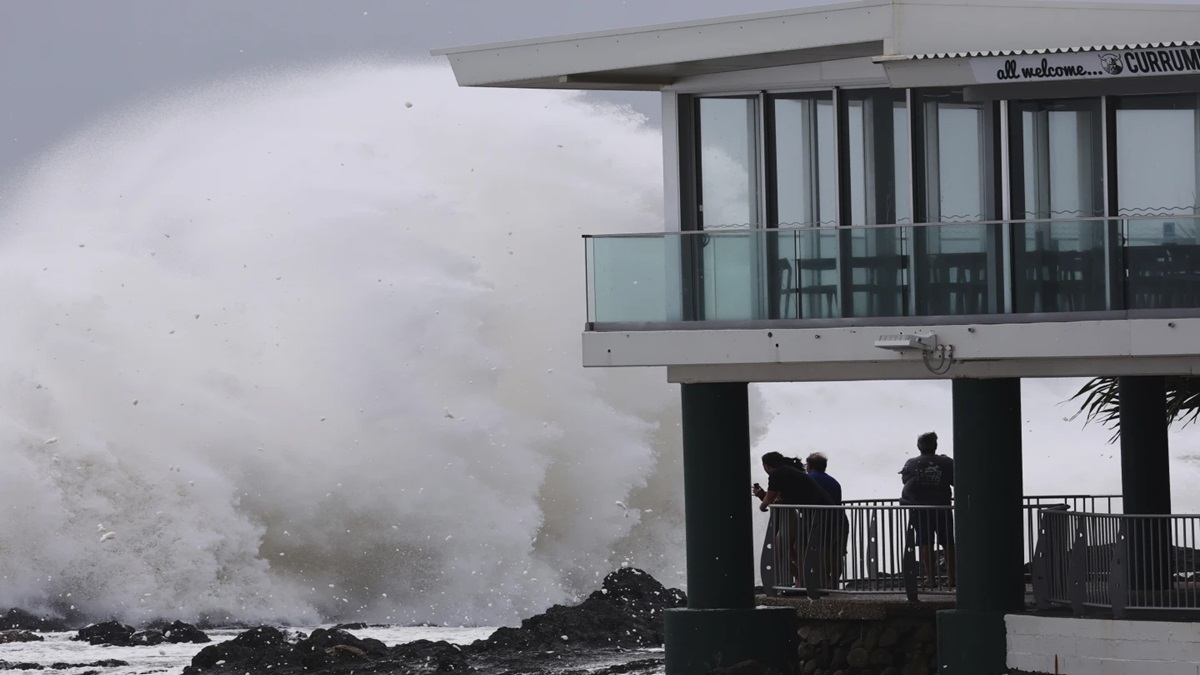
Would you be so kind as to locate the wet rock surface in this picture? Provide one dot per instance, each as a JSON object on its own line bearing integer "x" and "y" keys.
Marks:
{"x": 22, "y": 620}
{"x": 178, "y": 632}
{"x": 19, "y": 636}
{"x": 106, "y": 663}
{"x": 625, "y": 613}
{"x": 117, "y": 634}
{"x": 595, "y": 636}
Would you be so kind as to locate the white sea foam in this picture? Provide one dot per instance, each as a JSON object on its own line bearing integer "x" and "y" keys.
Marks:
{"x": 312, "y": 354}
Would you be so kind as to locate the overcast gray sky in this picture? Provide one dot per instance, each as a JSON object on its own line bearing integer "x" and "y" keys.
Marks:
{"x": 65, "y": 62}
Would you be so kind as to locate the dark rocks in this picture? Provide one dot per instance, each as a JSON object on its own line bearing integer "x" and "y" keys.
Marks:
{"x": 424, "y": 656}
{"x": 265, "y": 648}
{"x": 22, "y": 620}
{"x": 179, "y": 632}
{"x": 146, "y": 638}
{"x": 19, "y": 636}
{"x": 117, "y": 634}
{"x": 626, "y": 613}
{"x": 105, "y": 633}
{"x": 105, "y": 663}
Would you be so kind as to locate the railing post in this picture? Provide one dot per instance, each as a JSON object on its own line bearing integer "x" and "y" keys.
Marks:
{"x": 1040, "y": 566}
{"x": 1118, "y": 572}
{"x": 873, "y": 545}
{"x": 1077, "y": 567}
{"x": 909, "y": 566}
{"x": 812, "y": 559}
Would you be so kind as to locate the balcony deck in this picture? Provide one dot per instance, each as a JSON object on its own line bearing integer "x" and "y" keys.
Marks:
{"x": 1001, "y": 292}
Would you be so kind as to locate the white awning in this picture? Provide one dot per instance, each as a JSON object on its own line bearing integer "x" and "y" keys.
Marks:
{"x": 919, "y": 43}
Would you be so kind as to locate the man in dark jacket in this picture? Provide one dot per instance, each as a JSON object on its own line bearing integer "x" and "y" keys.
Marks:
{"x": 928, "y": 479}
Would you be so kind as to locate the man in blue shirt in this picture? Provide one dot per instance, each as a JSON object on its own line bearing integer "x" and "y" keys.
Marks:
{"x": 816, "y": 464}
{"x": 837, "y": 529}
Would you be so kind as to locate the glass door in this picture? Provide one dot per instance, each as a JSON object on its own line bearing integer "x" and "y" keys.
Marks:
{"x": 730, "y": 271}
{"x": 957, "y": 265}
{"x": 1158, "y": 150}
{"x": 879, "y": 188}
{"x": 803, "y": 168}
{"x": 1057, "y": 165}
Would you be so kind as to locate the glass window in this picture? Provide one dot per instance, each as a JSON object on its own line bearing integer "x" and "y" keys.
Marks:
{"x": 804, "y": 167}
{"x": 1057, "y": 173}
{"x": 956, "y": 267}
{"x": 729, "y": 267}
{"x": 1157, "y": 156}
{"x": 880, "y": 194}
{"x": 729, "y": 162}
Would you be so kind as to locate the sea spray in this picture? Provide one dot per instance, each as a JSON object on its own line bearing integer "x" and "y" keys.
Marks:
{"x": 307, "y": 346}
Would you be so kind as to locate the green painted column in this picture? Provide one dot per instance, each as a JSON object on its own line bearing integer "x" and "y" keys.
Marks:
{"x": 988, "y": 526}
{"x": 721, "y": 626}
{"x": 1145, "y": 462}
{"x": 1146, "y": 479}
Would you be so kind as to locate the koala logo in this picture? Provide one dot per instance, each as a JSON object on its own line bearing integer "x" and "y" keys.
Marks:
{"x": 1111, "y": 63}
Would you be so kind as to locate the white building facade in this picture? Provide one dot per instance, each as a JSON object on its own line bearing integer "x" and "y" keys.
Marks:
{"x": 898, "y": 189}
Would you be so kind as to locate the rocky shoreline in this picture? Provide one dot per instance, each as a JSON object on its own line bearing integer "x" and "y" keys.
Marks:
{"x": 606, "y": 634}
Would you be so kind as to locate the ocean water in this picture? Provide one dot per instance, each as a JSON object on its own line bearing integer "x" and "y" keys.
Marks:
{"x": 303, "y": 347}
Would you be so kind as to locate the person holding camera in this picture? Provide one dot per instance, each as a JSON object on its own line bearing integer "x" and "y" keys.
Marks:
{"x": 789, "y": 484}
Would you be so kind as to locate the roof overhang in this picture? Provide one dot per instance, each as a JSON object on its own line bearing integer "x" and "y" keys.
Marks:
{"x": 919, "y": 43}
{"x": 653, "y": 57}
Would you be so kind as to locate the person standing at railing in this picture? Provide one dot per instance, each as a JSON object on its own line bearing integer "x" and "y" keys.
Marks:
{"x": 788, "y": 483}
{"x": 837, "y": 530}
{"x": 816, "y": 464}
{"x": 928, "y": 481}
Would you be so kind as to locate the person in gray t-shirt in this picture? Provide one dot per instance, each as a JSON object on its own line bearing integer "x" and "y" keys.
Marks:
{"x": 928, "y": 481}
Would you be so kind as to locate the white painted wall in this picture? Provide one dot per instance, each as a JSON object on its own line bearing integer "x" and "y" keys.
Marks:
{"x": 1102, "y": 647}
{"x": 1040, "y": 349}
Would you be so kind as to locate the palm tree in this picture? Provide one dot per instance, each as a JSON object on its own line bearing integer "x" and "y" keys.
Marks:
{"x": 1101, "y": 401}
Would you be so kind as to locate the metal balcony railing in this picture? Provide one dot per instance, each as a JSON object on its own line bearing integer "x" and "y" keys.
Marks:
{"x": 1117, "y": 562}
{"x": 871, "y": 272}
{"x": 873, "y": 546}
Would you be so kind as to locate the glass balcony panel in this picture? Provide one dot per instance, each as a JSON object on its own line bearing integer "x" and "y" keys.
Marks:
{"x": 879, "y": 271}
{"x": 1162, "y": 257}
{"x": 818, "y": 273}
{"x": 952, "y": 271}
{"x": 1061, "y": 267}
{"x": 730, "y": 272}
{"x": 634, "y": 279}
{"x": 725, "y": 276}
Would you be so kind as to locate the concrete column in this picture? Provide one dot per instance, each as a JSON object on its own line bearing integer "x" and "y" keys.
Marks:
{"x": 1146, "y": 479}
{"x": 1145, "y": 463}
{"x": 988, "y": 526}
{"x": 721, "y": 627}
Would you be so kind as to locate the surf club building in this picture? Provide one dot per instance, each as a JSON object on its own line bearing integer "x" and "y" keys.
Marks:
{"x": 903, "y": 190}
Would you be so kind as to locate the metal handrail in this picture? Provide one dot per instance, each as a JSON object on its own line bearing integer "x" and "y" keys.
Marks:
{"x": 876, "y": 226}
{"x": 873, "y": 548}
{"x": 1119, "y": 562}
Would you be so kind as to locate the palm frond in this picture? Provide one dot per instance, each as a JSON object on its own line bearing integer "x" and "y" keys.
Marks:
{"x": 1101, "y": 402}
